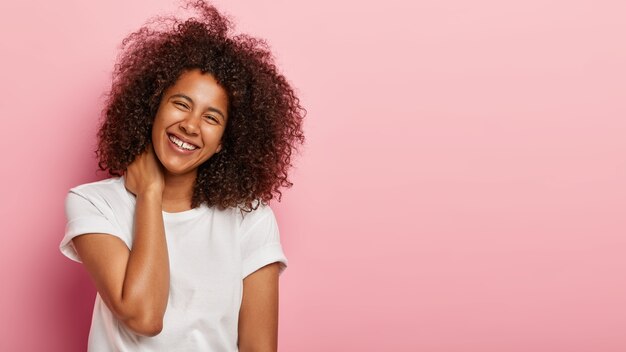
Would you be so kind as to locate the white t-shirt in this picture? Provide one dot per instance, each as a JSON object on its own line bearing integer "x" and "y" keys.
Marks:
{"x": 210, "y": 251}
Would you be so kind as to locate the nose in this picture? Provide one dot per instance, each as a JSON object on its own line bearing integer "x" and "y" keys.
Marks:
{"x": 190, "y": 125}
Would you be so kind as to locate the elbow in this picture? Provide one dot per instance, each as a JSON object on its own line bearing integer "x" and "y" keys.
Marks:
{"x": 144, "y": 321}
{"x": 257, "y": 349}
{"x": 149, "y": 327}
{"x": 150, "y": 330}
{"x": 257, "y": 346}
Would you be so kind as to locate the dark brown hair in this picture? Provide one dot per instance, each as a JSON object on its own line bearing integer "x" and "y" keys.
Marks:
{"x": 265, "y": 117}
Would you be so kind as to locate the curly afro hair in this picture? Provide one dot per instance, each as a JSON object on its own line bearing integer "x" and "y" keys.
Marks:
{"x": 265, "y": 117}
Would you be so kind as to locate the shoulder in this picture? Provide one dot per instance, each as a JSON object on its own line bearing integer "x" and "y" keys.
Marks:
{"x": 105, "y": 194}
{"x": 103, "y": 188}
{"x": 244, "y": 221}
{"x": 257, "y": 221}
{"x": 262, "y": 212}
{"x": 260, "y": 240}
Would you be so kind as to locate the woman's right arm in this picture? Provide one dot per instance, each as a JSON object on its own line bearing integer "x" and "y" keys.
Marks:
{"x": 134, "y": 284}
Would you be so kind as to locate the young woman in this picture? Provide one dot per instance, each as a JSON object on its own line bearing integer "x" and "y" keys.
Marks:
{"x": 181, "y": 244}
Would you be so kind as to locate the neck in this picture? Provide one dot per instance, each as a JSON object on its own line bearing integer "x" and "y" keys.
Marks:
{"x": 178, "y": 191}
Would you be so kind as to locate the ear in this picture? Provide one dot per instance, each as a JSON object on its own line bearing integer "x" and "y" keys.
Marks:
{"x": 219, "y": 148}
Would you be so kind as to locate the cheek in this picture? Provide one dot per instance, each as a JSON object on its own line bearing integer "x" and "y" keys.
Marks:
{"x": 155, "y": 133}
{"x": 213, "y": 135}
{"x": 158, "y": 124}
{"x": 158, "y": 142}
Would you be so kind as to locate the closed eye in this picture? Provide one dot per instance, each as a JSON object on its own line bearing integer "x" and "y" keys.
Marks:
{"x": 181, "y": 104}
{"x": 213, "y": 118}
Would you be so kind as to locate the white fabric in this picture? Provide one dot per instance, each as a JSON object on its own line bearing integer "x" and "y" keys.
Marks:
{"x": 211, "y": 251}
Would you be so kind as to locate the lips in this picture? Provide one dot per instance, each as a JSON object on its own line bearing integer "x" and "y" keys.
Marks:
{"x": 180, "y": 143}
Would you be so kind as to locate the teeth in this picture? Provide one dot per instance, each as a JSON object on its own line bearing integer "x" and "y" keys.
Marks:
{"x": 181, "y": 144}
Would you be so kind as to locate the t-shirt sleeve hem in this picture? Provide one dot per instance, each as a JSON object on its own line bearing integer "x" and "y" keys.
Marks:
{"x": 263, "y": 256}
{"x": 84, "y": 225}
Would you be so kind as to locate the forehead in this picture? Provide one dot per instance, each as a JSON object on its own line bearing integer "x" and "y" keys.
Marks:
{"x": 202, "y": 88}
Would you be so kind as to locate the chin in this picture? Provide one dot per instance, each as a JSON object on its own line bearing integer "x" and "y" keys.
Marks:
{"x": 177, "y": 170}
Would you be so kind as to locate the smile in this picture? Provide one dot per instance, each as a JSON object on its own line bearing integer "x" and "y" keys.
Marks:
{"x": 181, "y": 144}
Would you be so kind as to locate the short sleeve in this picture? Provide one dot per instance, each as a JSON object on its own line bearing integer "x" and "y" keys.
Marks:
{"x": 260, "y": 242}
{"x": 84, "y": 216}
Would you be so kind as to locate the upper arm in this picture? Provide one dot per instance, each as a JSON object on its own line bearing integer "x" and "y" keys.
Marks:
{"x": 258, "y": 316}
{"x": 94, "y": 237}
{"x": 105, "y": 258}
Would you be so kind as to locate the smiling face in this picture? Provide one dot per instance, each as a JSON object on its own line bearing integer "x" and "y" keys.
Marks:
{"x": 190, "y": 122}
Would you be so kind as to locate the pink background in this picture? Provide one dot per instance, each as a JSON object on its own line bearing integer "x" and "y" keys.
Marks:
{"x": 462, "y": 187}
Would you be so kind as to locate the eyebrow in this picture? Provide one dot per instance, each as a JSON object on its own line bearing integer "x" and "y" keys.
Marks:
{"x": 210, "y": 108}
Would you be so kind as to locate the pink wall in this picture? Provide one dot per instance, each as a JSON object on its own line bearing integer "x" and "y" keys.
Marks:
{"x": 462, "y": 188}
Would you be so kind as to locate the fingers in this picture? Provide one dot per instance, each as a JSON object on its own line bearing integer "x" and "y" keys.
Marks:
{"x": 145, "y": 172}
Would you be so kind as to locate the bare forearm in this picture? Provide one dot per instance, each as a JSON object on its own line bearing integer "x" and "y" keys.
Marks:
{"x": 146, "y": 284}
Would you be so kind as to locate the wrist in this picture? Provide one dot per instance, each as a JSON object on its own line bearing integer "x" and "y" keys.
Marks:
{"x": 151, "y": 193}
